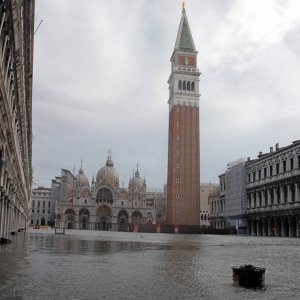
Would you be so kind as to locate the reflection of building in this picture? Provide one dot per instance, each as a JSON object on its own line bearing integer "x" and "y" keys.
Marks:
{"x": 183, "y": 193}
{"x": 104, "y": 205}
{"x": 261, "y": 196}
{"x": 16, "y": 56}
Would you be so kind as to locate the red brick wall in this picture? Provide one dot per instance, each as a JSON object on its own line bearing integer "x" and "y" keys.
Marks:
{"x": 184, "y": 124}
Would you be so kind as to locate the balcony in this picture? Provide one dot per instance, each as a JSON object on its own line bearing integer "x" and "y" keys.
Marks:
{"x": 274, "y": 178}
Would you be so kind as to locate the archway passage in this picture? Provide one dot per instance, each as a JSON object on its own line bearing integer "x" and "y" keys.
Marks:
{"x": 123, "y": 221}
{"x": 70, "y": 218}
{"x": 137, "y": 218}
{"x": 43, "y": 223}
{"x": 84, "y": 218}
{"x": 103, "y": 219}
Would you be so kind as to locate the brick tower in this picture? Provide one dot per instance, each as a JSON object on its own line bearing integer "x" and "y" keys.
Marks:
{"x": 183, "y": 187}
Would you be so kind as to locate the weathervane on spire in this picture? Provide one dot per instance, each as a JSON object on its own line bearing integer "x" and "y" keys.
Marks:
{"x": 81, "y": 161}
{"x": 183, "y": 5}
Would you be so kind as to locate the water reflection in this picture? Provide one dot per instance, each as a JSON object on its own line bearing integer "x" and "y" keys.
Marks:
{"x": 148, "y": 266}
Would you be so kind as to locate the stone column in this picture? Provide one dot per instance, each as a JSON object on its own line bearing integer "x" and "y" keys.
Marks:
{"x": 290, "y": 233}
{"x": 264, "y": 229}
{"x": 281, "y": 195}
{"x": 252, "y": 227}
{"x": 258, "y": 227}
{"x": 289, "y": 194}
{"x": 252, "y": 200}
{"x": 297, "y": 226}
{"x": 270, "y": 231}
{"x": 283, "y": 231}
{"x": 275, "y": 196}
{"x": 263, "y": 200}
{"x": 248, "y": 227}
{"x": 297, "y": 192}
{"x": 276, "y": 233}
{"x": 1, "y": 215}
{"x": 6, "y": 219}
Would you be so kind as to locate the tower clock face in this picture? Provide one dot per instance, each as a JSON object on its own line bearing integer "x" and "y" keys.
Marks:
{"x": 186, "y": 60}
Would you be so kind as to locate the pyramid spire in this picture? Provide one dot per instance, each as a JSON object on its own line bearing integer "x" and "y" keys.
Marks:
{"x": 184, "y": 40}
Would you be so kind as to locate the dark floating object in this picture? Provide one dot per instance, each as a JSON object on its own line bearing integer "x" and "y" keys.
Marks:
{"x": 249, "y": 276}
{"x": 5, "y": 241}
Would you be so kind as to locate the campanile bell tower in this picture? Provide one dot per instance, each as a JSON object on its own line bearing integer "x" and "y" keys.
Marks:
{"x": 183, "y": 185}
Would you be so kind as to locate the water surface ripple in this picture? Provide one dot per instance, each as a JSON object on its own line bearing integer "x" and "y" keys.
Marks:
{"x": 112, "y": 265}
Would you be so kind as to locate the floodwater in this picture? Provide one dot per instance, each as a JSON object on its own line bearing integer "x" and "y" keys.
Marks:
{"x": 115, "y": 265}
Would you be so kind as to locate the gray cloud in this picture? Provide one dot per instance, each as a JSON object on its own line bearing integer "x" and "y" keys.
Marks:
{"x": 100, "y": 82}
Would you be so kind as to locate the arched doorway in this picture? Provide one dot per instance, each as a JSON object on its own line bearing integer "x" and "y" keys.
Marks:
{"x": 103, "y": 219}
{"x": 137, "y": 218}
{"x": 123, "y": 221}
{"x": 70, "y": 218}
{"x": 149, "y": 218}
{"x": 43, "y": 222}
{"x": 84, "y": 218}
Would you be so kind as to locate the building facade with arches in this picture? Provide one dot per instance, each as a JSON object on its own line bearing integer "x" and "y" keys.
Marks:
{"x": 103, "y": 204}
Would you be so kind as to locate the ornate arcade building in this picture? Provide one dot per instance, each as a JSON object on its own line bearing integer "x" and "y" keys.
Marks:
{"x": 16, "y": 64}
{"x": 104, "y": 205}
{"x": 273, "y": 192}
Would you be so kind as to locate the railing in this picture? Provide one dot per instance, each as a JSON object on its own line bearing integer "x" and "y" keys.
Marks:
{"x": 274, "y": 178}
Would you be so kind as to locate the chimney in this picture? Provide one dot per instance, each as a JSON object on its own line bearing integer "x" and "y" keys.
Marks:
{"x": 271, "y": 149}
{"x": 248, "y": 158}
{"x": 259, "y": 154}
{"x": 277, "y": 146}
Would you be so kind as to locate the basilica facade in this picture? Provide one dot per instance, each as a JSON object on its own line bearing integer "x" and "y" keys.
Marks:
{"x": 103, "y": 204}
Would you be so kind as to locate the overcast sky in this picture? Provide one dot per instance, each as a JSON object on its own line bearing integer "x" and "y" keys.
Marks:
{"x": 100, "y": 82}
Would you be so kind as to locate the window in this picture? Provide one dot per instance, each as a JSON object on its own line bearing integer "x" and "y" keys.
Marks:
{"x": 48, "y": 212}
{"x": 179, "y": 85}
{"x": 33, "y": 203}
{"x": 292, "y": 163}
{"x": 177, "y": 166}
{"x": 265, "y": 172}
{"x": 271, "y": 170}
{"x": 259, "y": 174}
{"x": 248, "y": 177}
{"x": 193, "y": 86}
{"x": 32, "y": 211}
{"x": 177, "y": 195}
{"x": 184, "y": 85}
{"x": 299, "y": 162}
{"x": 277, "y": 168}
{"x": 259, "y": 199}
{"x": 177, "y": 180}
{"x": 254, "y": 176}
{"x": 272, "y": 196}
{"x": 284, "y": 166}
{"x": 285, "y": 192}
{"x": 44, "y": 203}
{"x": 38, "y": 203}
{"x": 266, "y": 198}
{"x": 49, "y": 204}
{"x": 188, "y": 86}
{"x": 38, "y": 211}
{"x": 43, "y": 211}
{"x": 278, "y": 194}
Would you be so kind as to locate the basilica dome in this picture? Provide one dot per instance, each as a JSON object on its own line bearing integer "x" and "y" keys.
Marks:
{"x": 137, "y": 183}
{"x": 81, "y": 179}
{"x": 108, "y": 175}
